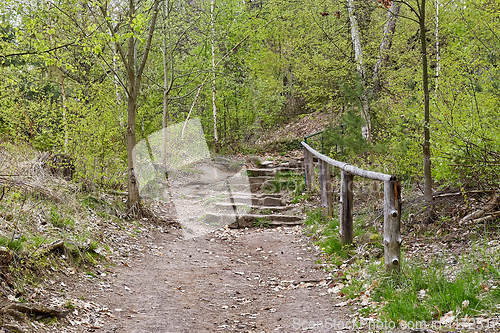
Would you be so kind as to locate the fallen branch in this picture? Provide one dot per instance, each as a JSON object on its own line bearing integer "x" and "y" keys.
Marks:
{"x": 34, "y": 309}
{"x": 491, "y": 205}
{"x": 454, "y": 194}
{"x": 490, "y": 217}
{"x": 57, "y": 245}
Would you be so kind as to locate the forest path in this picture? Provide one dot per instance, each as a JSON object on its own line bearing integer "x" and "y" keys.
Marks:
{"x": 253, "y": 280}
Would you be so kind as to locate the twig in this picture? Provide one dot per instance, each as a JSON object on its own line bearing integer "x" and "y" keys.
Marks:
{"x": 492, "y": 216}
{"x": 443, "y": 195}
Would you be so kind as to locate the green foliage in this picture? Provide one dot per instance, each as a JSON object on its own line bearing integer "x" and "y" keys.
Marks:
{"x": 262, "y": 222}
{"x": 345, "y": 140}
{"x": 15, "y": 244}
{"x": 327, "y": 231}
{"x": 275, "y": 60}
{"x": 426, "y": 293}
{"x": 59, "y": 221}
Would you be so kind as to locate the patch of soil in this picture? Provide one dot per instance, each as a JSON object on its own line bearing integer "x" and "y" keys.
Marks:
{"x": 231, "y": 280}
{"x": 298, "y": 128}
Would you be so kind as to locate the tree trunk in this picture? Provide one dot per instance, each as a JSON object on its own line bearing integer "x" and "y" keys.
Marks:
{"x": 358, "y": 56}
{"x": 385, "y": 45}
{"x": 438, "y": 56}
{"x": 214, "y": 106}
{"x": 116, "y": 81}
{"x": 427, "y": 145}
{"x": 133, "y": 189}
{"x": 164, "y": 121}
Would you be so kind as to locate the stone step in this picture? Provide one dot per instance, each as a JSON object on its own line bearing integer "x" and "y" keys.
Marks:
{"x": 262, "y": 201}
{"x": 280, "y": 185}
{"x": 267, "y": 164}
{"x": 256, "y": 198}
{"x": 248, "y": 220}
{"x": 292, "y": 163}
{"x": 259, "y": 172}
{"x": 284, "y": 224}
{"x": 258, "y": 179}
{"x": 229, "y": 206}
{"x": 257, "y": 195}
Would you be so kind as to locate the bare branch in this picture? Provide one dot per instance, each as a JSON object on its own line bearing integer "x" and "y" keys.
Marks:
{"x": 112, "y": 31}
{"x": 150, "y": 37}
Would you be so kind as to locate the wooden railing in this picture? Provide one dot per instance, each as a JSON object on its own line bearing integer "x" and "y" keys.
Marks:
{"x": 392, "y": 200}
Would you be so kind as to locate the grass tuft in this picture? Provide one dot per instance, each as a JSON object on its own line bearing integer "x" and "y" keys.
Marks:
{"x": 327, "y": 230}
{"x": 426, "y": 293}
{"x": 15, "y": 245}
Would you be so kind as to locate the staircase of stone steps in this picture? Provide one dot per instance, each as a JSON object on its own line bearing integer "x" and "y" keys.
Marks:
{"x": 252, "y": 197}
{"x": 257, "y": 206}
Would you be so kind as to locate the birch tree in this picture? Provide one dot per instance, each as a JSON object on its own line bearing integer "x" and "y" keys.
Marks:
{"x": 212, "y": 45}
{"x": 385, "y": 44}
{"x": 360, "y": 66}
{"x": 438, "y": 56}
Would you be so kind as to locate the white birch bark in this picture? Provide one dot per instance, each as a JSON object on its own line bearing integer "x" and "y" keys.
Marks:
{"x": 165, "y": 84}
{"x": 358, "y": 56}
{"x": 438, "y": 55}
{"x": 385, "y": 44}
{"x": 214, "y": 106}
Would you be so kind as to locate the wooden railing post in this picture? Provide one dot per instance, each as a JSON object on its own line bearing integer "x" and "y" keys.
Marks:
{"x": 329, "y": 191}
{"x": 308, "y": 168}
{"x": 326, "y": 187}
{"x": 346, "y": 203}
{"x": 324, "y": 178}
{"x": 392, "y": 218}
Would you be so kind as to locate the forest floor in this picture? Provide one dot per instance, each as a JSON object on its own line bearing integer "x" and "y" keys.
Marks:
{"x": 257, "y": 280}
{"x": 116, "y": 275}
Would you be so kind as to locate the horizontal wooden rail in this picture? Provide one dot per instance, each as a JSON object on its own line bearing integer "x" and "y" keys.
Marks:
{"x": 392, "y": 201}
{"x": 349, "y": 168}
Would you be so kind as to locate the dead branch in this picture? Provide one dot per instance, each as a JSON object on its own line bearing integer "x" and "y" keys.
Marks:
{"x": 486, "y": 218}
{"x": 491, "y": 205}
{"x": 444, "y": 195}
{"x": 34, "y": 309}
{"x": 56, "y": 245}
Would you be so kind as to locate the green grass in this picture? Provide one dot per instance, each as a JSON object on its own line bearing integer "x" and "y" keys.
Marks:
{"x": 299, "y": 197}
{"x": 426, "y": 293}
{"x": 353, "y": 289}
{"x": 59, "y": 221}
{"x": 420, "y": 292}
{"x": 326, "y": 231}
{"x": 262, "y": 222}
{"x": 15, "y": 245}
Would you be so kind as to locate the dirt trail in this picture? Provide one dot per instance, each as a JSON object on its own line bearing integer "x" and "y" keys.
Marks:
{"x": 256, "y": 280}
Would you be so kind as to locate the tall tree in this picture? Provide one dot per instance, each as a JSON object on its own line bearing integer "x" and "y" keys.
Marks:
{"x": 418, "y": 8}
{"x": 385, "y": 44}
{"x": 438, "y": 56}
{"x": 427, "y": 136}
{"x": 212, "y": 47}
{"x": 358, "y": 56}
{"x": 134, "y": 69}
